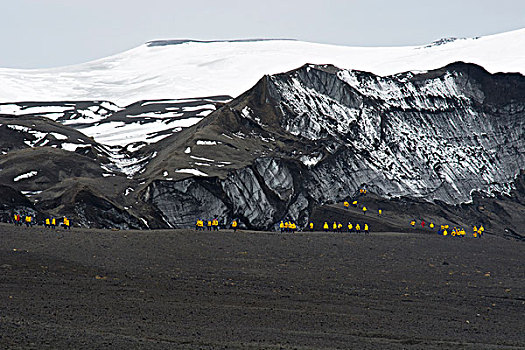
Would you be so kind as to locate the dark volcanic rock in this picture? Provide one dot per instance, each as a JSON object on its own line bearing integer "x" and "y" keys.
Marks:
{"x": 11, "y": 202}
{"x": 451, "y": 141}
{"x": 317, "y": 134}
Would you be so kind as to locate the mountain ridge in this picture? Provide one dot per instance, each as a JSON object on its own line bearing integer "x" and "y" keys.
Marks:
{"x": 293, "y": 145}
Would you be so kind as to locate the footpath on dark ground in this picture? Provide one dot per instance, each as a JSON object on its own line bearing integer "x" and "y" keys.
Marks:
{"x": 101, "y": 289}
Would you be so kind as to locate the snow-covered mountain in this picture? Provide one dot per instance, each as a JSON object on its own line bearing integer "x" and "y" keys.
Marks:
{"x": 133, "y": 142}
{"x": 120, "y": 132}
{"x": 317, "y": 134}
{"x": 177, "y": 69}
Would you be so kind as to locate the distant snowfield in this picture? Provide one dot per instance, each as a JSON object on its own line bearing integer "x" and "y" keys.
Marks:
{"x": 193, "y": 69}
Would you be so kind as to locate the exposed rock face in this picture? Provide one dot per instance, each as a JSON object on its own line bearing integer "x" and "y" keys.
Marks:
{"x": 11, "y": 202}
{"x": 293, "y": 143}
{"x": 437, "y": 136}
{"x": 180, "y": 201}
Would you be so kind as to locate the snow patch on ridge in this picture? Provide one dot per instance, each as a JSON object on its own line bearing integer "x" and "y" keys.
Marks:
{"x": 25, "y": 176}
{"x": 192, "y": 172}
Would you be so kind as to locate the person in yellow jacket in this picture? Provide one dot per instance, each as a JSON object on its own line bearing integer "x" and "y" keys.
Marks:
{"x": 293, "y": 227}
{"x": 431, "y": 225}
{"x": 325, "y": 226}
{"x": 281, "y": 226}
{"x": 47, "y": 223}
{"x": 413, "y": 223}
{"x": 364, "y": 210}
{"x": 366, "y": 229}
{"x": 311, "y": 226}
{"x": 215, "y": 224}
{"x": 334, "y": 226}
{"x": 339, "y": 227}
{"x": 53, "y": 223}
{"x": 286, "y": 226}
{"x": 346, "y": 204}
{"x": 357, "y": 228}
{"x": 354, "y": 204}
{"x": 209, "y": 225}
{"x": 28, "y": 220}
{"x": 379, "y": 212}
{"x": 234, "y": 225}
{"x": 480, "y": 231}
{"x": 350, "y": 227}
{"x": 67, "y": 225}
{"x": 445, "y": 232}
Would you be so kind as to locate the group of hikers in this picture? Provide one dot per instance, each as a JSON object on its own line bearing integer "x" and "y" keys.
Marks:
{"x": 210, "y": 225}
{"x": 48, "y": 222}
{"x": 289, "y": 226}
{"x": 338, "y": 227}
{"x": 445, "y": 230}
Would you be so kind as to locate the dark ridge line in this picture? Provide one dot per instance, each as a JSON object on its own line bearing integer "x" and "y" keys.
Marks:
{"x": 154, "y": 43}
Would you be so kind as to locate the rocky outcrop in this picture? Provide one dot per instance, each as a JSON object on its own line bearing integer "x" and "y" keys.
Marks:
{"x": 293, "y": 143}
{"x": 437, "y": 136}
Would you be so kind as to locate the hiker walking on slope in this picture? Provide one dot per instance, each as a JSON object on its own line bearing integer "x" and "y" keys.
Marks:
{"x": 17, "y": 220}
{"x": 66, "y": 224}
{"x": 28, "y": 220}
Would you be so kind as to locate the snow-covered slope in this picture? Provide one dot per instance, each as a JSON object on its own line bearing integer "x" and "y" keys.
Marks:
{"x": 189, "y": 69}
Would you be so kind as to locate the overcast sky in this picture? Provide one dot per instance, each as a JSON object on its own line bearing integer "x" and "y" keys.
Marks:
{"x": 48, "y": 33}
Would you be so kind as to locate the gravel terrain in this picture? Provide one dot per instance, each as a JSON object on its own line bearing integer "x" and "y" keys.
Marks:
{"x": 101, "y": 289}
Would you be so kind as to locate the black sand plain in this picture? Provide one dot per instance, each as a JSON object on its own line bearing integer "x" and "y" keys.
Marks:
{"x": 181, "y": 289}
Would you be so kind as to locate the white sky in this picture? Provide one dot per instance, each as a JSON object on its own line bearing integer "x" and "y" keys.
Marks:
{"x": 48, "y": 33}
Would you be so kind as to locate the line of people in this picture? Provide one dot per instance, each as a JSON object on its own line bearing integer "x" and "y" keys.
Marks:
{"x": 445, "y": 230}
{"x": 288, "y": 226}
{"x": 338, "y": 227}
{"x": 48, "y": 222}
{"x": 210, "y": 225}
